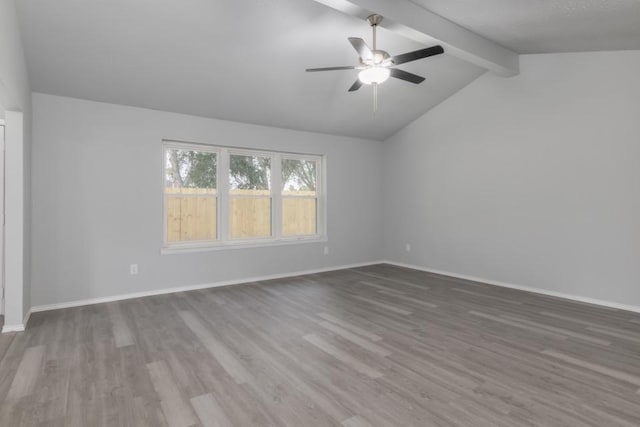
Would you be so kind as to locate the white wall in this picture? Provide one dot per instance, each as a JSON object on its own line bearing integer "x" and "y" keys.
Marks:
{"x": 97, "y": 201}
{"x": 14, "y": 83}
{"x": 532, "y": 180}
{"x": 15, "y": 98}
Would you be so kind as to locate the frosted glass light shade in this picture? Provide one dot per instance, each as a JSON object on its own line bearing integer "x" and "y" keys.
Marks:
{"x": 374, "y": 75}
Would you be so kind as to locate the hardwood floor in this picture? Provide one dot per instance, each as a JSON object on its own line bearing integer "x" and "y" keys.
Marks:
{"x": 374, "y": 346}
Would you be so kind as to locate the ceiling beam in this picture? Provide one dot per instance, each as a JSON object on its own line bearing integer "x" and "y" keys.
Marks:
{"x": 417, "y": 23}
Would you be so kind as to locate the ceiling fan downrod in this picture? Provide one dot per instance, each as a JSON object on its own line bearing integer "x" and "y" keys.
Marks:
{"x": 374, "y": 20}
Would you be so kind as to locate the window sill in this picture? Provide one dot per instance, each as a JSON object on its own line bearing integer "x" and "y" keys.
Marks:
{"x": 221, "y": 246}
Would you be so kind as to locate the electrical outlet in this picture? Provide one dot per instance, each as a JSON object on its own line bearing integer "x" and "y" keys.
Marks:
{"x": 133, "y": 269}
{"x": 326, "y": 250}
{"x": 408, "y": 247}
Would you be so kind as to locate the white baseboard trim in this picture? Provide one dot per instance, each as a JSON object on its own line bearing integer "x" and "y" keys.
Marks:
{"x": 13, "y": 328}
{"x": 26, "y": 318}
{"x": 91, "y": 301}
{"x": 19, "y": 327}
{"x": 608, "y": 304}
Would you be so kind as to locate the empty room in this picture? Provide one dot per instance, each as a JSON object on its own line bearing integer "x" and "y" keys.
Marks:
{"x": 300, "y": 213}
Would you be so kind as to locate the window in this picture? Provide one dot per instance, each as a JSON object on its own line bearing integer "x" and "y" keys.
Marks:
{"x": 249, "y": 196}
{"x": 299, "y": 197}
{"x": 219, "y": 197}
{"x": 190, "y": 192}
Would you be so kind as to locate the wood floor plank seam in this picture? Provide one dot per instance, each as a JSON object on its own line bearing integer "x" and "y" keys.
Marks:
{"x": 613, "y": 373}
{"x": 228, "y": 361}
{"x": 478, "y": 294}
{"x": 342, "y": 356}
{"x": 209, "y": 411}
{"x": 411, "y": 299}
{"x": 177, "y": 411}
{"x": 612, "y": 419}
{"x": 628, "y": 336}
{"x": 381, "y": 287}
{"x": 121, "y": 332}
{"x": 369, "y": 346}
{"x": 390, "y": 279}
{"x": 518, "y": 325}
{"x": 25, "y": 379}
{"x": 349, "y": 326}
{"x": 561, "y": 331}
{"x": 356, "y": 421}
{"x": 384, "y": 305}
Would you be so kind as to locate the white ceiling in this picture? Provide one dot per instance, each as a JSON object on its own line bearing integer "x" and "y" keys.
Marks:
{"x": 545, "y": 26}
{"x": 240, "y": 60}
{"x": 244, "y": 60}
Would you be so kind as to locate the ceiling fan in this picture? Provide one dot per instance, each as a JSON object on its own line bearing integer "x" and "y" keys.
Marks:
{"x": 376, "y": 66}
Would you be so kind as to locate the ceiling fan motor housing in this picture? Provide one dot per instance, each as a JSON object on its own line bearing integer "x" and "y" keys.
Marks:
{"x": 374, "y": 19}
{"x": 378, "y": 58}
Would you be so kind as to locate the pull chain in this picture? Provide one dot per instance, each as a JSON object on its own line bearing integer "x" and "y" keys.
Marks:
{"x": 377, "y": 58}
{"x": 375, "y": 85}
{"x": 375, "y": 97}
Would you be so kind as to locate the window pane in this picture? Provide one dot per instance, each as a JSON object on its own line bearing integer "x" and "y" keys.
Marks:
{"x": 191, "y": 218}
{"x": 299, "y": 191}
{"x": 249, "y": 172}
{"x": 249, "y": 214}
{"x": 299, "y": 216}
{"x": 299, "y": 177}
{"x": 250, "y": 217}
{"x": 190, "y": 189}
{"x": 190, "y": 169}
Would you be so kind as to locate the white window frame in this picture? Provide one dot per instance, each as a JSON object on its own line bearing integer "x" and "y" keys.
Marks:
{"x": 223, "y": 205}
{"x": 172, "y": 145}
{"x": 319, "y": 191}
{"x": 249, "y": 153}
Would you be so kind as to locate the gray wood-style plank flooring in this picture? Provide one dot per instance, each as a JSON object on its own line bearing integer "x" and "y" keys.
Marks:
{"x": 373, "y": 346}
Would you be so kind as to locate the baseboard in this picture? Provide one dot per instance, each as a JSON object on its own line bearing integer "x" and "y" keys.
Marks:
{"x": 26, "y": 319}
{"x": 13, "y": 328}
{"x": 608, "y": 304}
{"x": 91, "y": 301}
{"x": 19, "y": 327}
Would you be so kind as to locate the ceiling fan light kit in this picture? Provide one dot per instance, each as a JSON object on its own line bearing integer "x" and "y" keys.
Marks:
{"x": 376, "y": 66}
{"x": 374, "y": 75}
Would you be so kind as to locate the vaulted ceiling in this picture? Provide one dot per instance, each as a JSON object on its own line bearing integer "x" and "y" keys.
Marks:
{"x": 547, "y": 26}
{"x": 244, "y": 60}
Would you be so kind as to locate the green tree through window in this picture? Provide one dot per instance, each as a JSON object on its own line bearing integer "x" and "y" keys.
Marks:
{"x": 191, "y": 169}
